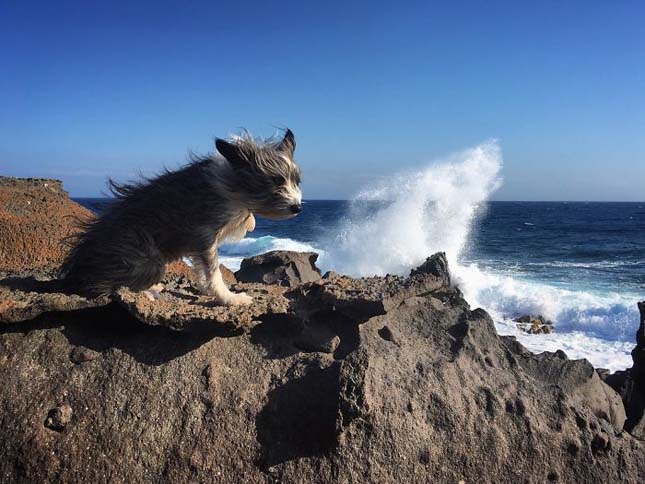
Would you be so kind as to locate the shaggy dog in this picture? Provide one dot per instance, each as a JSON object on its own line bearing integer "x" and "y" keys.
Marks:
{"x": 186, "y": 213}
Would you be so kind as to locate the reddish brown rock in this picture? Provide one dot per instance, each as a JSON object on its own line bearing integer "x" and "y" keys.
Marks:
{"x": 36, "y": 215}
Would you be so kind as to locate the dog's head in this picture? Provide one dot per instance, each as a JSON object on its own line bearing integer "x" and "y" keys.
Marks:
{"x": 267, "y": 179}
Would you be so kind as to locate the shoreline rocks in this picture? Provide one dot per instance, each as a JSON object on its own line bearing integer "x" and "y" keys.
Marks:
{"x": 630, "y": 383}
{"x": 336, "y": 379}
{"x": 281, "y": 267}
{"x": 534, "y": 324}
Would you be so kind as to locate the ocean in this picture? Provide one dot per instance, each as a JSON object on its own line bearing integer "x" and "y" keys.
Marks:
{"x": 580, "y": 264}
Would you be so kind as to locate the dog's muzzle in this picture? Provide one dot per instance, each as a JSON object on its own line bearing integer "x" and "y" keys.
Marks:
{"x": 296, "y": 208}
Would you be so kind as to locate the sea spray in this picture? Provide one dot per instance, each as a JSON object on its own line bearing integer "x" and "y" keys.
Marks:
{"x": 422, "y": 212}
{"x": 393, "y": 225}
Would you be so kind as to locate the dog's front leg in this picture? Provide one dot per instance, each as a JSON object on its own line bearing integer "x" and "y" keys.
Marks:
{"x": 213, "y": 284}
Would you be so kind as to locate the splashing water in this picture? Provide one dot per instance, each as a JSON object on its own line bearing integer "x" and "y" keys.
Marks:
{"x": 423, "y": 212}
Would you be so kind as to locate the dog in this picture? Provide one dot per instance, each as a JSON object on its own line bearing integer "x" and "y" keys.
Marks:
{"x": 186, "y": 213}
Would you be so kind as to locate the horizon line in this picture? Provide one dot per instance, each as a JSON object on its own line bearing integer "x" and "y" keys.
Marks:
{"x": 485, "y": 201}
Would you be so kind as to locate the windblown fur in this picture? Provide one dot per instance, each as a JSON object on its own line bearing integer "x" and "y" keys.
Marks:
{"x": 185, "y": 213}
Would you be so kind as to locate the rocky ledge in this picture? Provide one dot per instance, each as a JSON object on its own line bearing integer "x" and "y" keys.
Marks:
{"x": 336, "y": 379}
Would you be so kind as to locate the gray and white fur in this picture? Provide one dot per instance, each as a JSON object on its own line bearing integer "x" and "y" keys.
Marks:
{"x": 186, "y": 213}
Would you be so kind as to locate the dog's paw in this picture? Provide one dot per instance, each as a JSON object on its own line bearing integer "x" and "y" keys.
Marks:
{"x": 239, "y": 299}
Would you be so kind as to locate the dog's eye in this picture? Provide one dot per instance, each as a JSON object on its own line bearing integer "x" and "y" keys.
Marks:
{"x": 278, "y": 180}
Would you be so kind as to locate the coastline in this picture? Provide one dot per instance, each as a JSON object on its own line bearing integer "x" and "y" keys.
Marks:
{"x": 377, "y": 379}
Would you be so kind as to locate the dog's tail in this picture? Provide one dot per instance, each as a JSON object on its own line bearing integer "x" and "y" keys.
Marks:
{"x": 102, "y": 260}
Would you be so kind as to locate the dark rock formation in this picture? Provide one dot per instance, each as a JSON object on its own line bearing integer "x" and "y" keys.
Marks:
{"x": 281, "y": 267}
{"x": 338, "y": 380}
{"x": 630, "y": 384}
{"x": 534, "y": 324}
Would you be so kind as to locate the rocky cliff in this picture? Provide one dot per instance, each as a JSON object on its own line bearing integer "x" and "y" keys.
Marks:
{"x": 36, "y": 215}
{"x": 383, "y": 379}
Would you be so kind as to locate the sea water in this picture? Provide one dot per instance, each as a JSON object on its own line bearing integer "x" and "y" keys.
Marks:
{"x": 582, "y": 265}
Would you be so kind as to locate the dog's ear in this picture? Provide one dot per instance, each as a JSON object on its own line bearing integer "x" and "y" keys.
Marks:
{"x": 288, "y": 143}
{"x": 230, "y": 151}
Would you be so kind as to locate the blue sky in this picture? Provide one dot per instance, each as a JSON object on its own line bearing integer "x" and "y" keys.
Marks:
{"x": 90, "y": 91}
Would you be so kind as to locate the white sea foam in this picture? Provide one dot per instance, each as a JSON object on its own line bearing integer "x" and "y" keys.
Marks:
{"x": 426, "y": 211}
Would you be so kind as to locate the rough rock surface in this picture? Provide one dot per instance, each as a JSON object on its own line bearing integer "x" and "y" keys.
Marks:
{"x": 631, "y": 383}
{"x": 397, "y": 380}
{"x": 36, "y": 215}
{"x": 22, "y": 299}
{"x": 281, "y": 267}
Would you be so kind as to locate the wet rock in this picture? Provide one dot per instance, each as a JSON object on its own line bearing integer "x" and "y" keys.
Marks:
{"x": 281, "y": 267}
{"x": 630, "y": 383}
{"x": 534, "y": 324}
{"x": 58, "y": 418}
{"x": 437, "y": 266}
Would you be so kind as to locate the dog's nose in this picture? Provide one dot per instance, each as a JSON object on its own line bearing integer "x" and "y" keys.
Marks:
{"x": 297, "y": 208}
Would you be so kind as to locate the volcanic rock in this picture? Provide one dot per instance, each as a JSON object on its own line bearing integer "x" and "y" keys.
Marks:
{"x": 80, "y": 355}
{"x": 339, "y": 380}
{"x": 317, "y": 338}
{"x": 182, "y": 308}
{"x": 179, "y": 269}
{"x": 36, "y": 215}
{"x": 630, "y": 384}
{"x": 281, "y": 267}
{"x": 22, "y": 299}
{"x": 534, "y": 324}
